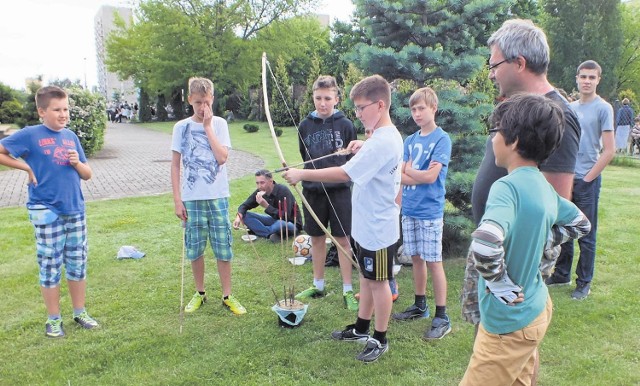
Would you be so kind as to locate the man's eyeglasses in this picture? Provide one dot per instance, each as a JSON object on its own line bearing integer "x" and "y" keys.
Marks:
{"x": 492, "y": 67}
{"x": 359, "y": 109}
{"x": 494, "y": 130}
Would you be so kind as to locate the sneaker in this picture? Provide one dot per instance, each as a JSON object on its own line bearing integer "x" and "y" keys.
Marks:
{"x": 234, "y": 305}
{"x": 555, "y": 281}
{"x": 350, "y": 301}
{"x": 53, "y": 328}
{"x": 412, "y": 312}
{"x": 581, "y": 292}
{"x": 196, "y": 301}
{"x": 274, "y": 237}
{"x": 312, "y": 292}
{"x": 372, "y": 351}
{"x": 86, "y": 321}
{"x": 350, "y": 334}
{"x": 394, "y": 291}
{"x": 439, "y": 328}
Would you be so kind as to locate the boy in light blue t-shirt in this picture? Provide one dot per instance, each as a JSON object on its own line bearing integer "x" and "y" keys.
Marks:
{"x": 424, "y": 170}
{"x": 524, "y": 216}
{"x": 201, "y": 144}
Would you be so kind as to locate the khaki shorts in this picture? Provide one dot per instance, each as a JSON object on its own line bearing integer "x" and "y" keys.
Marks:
{"x": 507, "y": 359}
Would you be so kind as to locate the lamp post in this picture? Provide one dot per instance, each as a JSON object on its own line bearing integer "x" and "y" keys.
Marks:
{"x": 85, "y": 73}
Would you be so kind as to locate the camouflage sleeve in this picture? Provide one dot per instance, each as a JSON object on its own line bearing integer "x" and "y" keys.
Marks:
{"x": 560, "y": 234}
{"x": 575, "y": 229}
{"x": 488, "y": 251}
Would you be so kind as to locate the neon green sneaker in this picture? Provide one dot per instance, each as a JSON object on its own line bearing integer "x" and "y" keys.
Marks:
{"x": 196, "y": 301}
{"x": 350, "y": 301}
{"x": 312, "y": 292}
{"x": 53, "y": 328}
{"x": 234, "y": 305}
{"x": 86, "y": 321}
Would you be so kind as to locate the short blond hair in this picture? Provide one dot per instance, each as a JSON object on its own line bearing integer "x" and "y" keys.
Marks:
{"x": 426, "y": 95}
{"x": 44, "y": 95}
{"x": 200, "y": 86}
{"x": 373, "y": 88}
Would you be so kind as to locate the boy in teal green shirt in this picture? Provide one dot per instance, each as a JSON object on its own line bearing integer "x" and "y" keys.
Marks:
{"x": 524, "y": 216}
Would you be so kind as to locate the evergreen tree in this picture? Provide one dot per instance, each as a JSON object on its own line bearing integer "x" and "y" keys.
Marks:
{"x": 441, "y": 44}
{"x": 307, "y": 104}
{"x": 281, "y": 102}
{"x": 580, "y": 30}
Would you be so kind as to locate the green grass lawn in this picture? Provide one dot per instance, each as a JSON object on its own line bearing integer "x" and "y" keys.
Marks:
{"x": 593, "y": 342}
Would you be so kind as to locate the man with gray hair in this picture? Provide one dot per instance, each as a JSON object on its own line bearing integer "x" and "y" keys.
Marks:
{"x": 518, "y": 64}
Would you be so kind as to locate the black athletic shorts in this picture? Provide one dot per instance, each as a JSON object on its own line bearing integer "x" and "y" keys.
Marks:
{"x": 338, "y": 220}
{"x": 376, "y": 265}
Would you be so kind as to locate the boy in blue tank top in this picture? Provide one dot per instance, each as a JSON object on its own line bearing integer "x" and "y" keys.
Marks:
{"x": 55, "y": 163}
{"x": 424, "y": 170}
{"x": 524, "y": 216}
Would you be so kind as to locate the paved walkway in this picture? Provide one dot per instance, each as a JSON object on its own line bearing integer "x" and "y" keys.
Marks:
{"x": 133, "y": 162}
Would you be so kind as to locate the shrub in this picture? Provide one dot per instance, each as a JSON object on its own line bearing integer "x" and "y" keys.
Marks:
{"x": 87, "y": 118}
{"x": 250, "y": 127}
{"x": 278, "y": 131}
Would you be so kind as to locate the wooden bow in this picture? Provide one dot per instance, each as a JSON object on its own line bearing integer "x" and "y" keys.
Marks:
{"x": 284, "y": 163}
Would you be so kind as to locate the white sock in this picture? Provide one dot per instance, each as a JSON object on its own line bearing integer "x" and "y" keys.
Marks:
{"x": 346, "y": 288}
{"x": 319, "y": 284}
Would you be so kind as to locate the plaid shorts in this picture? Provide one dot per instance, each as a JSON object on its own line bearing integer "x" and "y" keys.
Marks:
{"x": 422, "y": 238}
{"x": 64, "y": 241}
{"x": 469, "y": 295}
{"x": 208, "y": 219}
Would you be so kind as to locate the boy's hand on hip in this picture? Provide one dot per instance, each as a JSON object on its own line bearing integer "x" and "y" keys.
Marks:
{"x": 506, "y": 291}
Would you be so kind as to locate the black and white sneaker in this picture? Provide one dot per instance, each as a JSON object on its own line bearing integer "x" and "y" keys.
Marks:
{"x": 412, "y": 312}
{"x": 350, "y": 334}
{"x": 372, "y": 351}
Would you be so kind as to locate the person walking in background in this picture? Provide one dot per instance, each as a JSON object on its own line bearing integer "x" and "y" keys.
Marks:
{"x": 623, "y": 127}
{"x": 596, "y": 150}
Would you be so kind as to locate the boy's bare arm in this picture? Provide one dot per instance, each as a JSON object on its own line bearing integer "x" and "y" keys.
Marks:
{"x": 333, "y": 174}
{"x": 608, "y": 152}
{"x": 7, "y": 160}
{"x": 220, "y": 152}
{"x": 418, "y": 177}
{"x": 83, "y": 169}
{"x": 180, "y": 210}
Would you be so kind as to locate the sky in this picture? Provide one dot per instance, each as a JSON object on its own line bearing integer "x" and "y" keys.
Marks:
{"x": 55, "y": 38}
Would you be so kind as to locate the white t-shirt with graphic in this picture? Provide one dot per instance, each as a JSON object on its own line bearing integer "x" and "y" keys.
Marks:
{"x": 202, "y": 177}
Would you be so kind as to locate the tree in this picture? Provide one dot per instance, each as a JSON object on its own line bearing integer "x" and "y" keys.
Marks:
{"x": 172, "y": 40}
{"x": 30, "y": 115}
{"x": 580, "y": 30}
{"x": 87, "y": 118}
{"x": 10, "y": 104}
{"x": 441, "y": 44}
{"x": 145, "y": 106}
{"x": 307, "y": 104}
{"x": 628, "y": 67}
{"x": 281, "y": 96}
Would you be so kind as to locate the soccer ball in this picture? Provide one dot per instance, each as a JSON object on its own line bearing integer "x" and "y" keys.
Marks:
{"x": 302, "y": 246}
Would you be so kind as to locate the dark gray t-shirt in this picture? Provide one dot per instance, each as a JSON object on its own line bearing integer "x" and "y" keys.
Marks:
{"x": 562, "y": 160}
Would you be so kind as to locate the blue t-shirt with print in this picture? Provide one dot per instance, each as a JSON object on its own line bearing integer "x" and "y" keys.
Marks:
{"x": 426, "y": 201}
{"x": 46, "y": 152}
